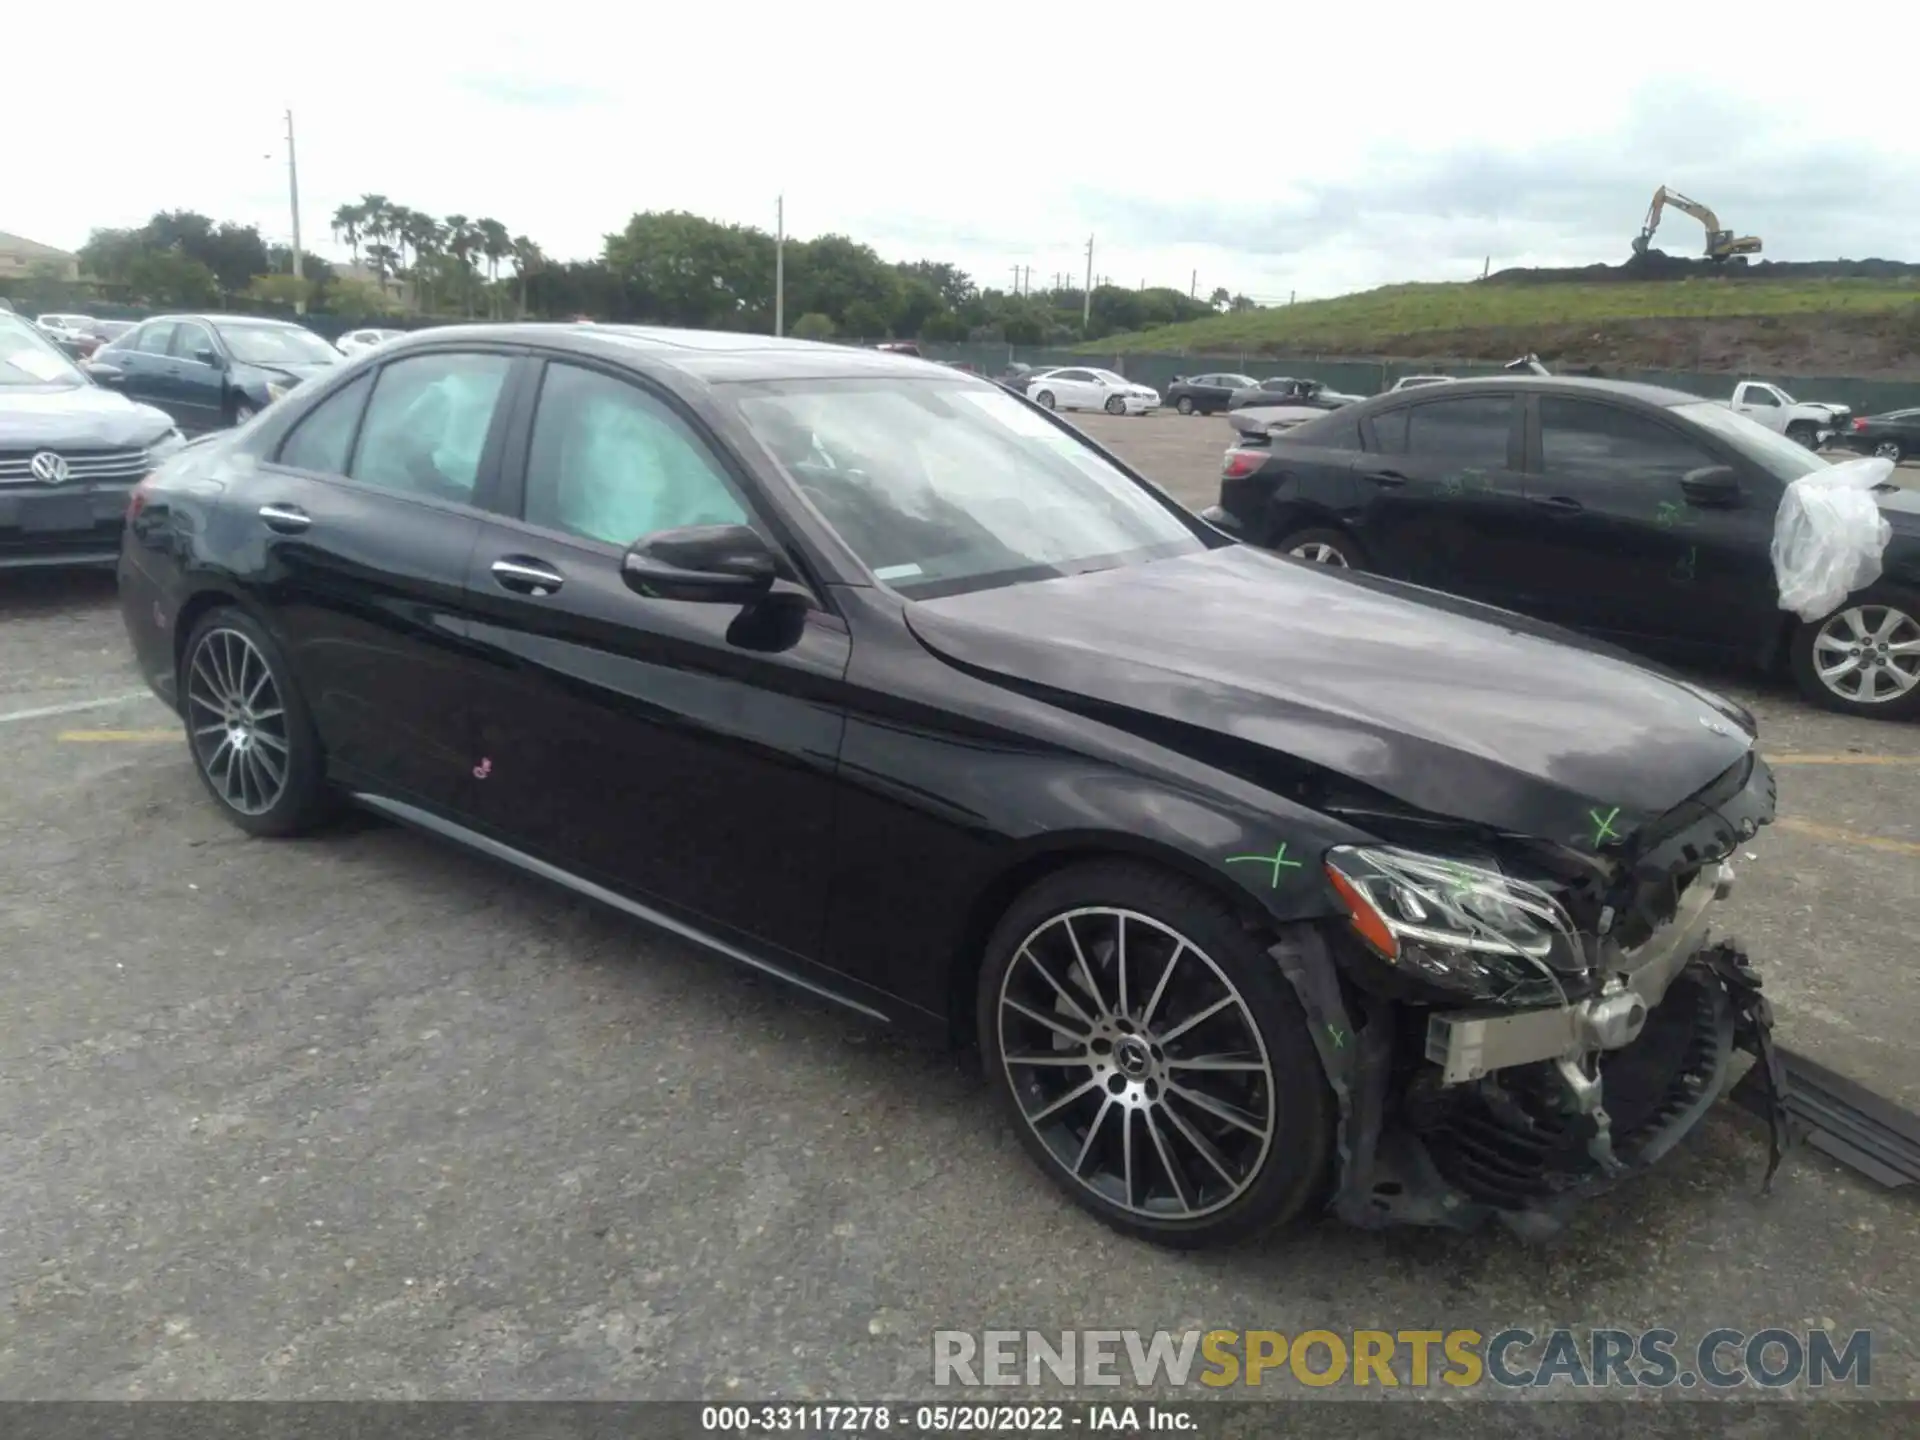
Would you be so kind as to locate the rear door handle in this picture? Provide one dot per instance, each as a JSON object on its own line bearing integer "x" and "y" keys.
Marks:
{"x": 286, "y": 519}
{"x": 1387, "y": 477}
{"x": 1561, "y": 503}
{"x": 526, "y": 576}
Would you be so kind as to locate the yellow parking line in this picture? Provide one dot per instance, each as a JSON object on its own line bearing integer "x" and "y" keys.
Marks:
{"x": 1793, "y": 759}
{"x": 1815, "y": 831}
{"x": 131, "y": 737}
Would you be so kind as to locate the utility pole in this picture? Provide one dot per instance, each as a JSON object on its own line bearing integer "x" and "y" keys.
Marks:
{"x": 1086, "y": 301}
{"x": 1193, "y": 288}
{"x": 293, "y": 195}
{"x": 779, "y": 265}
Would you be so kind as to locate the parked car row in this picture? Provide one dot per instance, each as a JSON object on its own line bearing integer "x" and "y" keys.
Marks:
{"x": 210, "y": 371}
{"x": 1638, "y": 514}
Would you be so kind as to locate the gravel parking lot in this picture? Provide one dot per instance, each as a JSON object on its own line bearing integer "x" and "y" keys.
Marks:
{"x": 365, "y": 1116}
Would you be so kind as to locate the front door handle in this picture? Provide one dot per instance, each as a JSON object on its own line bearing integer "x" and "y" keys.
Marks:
{"x": 526, "y": 576}
{"x": 286, "y": 519}
{"x": 1564, "y": 504}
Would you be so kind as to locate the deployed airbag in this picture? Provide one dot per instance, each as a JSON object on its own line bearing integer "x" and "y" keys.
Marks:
{"x": 1829, "y": 536}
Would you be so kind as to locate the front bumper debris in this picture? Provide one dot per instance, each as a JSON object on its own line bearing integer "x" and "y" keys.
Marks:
{"x": 1519, "y": 1117}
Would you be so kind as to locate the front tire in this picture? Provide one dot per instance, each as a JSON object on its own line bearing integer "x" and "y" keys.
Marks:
{"x": 1045, "y": 397}
{"x": 1116, "y": 406}
{"x": 1152, "y": 1058}
{"x": 1804, "y": 435}
{"x": 1864, "y": 658}
{"x": 1324, "y": 546}
{"x": 252, "y": 739}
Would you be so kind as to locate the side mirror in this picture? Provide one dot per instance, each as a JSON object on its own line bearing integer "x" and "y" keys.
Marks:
{"x": 208, "y": 357}
{"x": 718, "y": 563}
{"x": 1711, "y": 487}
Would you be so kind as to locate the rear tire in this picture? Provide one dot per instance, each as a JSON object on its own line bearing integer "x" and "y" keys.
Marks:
{"x": 1123, "y": 1146}
{"x": 249, "y": 732}
{"x": 1185, "y": 407}
{"x": 1045, "y": 397}
{"x": 1866, "y": 630}
{"x": 1324, "y": 546}
{"x": 1890, "y": 450}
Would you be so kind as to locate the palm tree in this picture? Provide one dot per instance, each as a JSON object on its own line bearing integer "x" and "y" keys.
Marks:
{"x": 423, "y": 233}
{"x": 496, "y": 245}
{"x": 461, "y": 240}
{"x": 376, "y": 224}
{"x": 347, "y": 221}
{"x": 526, "y": 258}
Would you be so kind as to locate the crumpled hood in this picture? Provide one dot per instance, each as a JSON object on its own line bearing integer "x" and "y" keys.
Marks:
{"x": 1459, "y": 709}
{"x": 75, "y": 417}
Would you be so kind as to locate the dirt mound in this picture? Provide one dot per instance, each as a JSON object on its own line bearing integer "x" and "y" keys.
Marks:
{"x": 1659, "y": 265}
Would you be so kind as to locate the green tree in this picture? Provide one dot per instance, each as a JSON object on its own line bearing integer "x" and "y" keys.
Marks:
{"x": 526, "y": 259}
{"x": 495, "y": 245}
{"x": 347, "y": 224}
{"x": 813, "y": 326}
{"x": 683, "y": 269}
{"x": 171, "y": 279}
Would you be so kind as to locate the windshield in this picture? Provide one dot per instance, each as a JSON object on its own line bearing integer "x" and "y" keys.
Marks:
{"x": 277, "y": 345}
{"x": 941, "y": 488}
{"x": 1782, "y": 458}
{"x": 28, "y": 358}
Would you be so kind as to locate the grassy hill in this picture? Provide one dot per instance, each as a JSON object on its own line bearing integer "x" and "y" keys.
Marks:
{"x": 1835, "y": 326}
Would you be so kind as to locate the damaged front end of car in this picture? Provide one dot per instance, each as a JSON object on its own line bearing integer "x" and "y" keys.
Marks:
{"x": 1511, "y": 1025}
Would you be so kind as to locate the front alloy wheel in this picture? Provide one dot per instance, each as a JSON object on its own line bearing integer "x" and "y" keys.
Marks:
{"x": 1116, "y": 406}
{"x": 1868, "y": 655}
{"x": 1155, "y": 1059}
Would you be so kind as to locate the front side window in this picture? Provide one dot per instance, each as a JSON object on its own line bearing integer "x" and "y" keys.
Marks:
{"x": 1471, "y": 432}
{"x": 190, "y": 339}
{"x": 941, "y": 488}
{"x": 612, "y": 463}
{"x": 1584, "y": 438}
{"x": 427, "y": 424}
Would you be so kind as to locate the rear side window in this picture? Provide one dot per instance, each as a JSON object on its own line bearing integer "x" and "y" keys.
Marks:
{"x": 1583, "y": 437}
{"x": 427, "y": 424}
{"x": 323, "y": 439}
{"x": 1387, "y": 434}
{"x": 153, "y": 339}
{"x": 1470, "y": 432}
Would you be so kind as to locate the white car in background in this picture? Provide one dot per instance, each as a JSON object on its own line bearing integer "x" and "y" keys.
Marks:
{"x": 355, "y": 341}
{"x": 1077, "y": 389}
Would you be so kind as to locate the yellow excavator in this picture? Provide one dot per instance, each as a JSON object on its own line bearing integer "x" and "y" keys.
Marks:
{"x": 1721, "y": 244}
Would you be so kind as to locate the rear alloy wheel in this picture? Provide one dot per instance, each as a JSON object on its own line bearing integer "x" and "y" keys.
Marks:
{"x": 1185, "y": 407}
{"x": 252, "y": 741}
{"x": 1116, "y": 406}
{"x": 1045, "y": 397}
{"x": 1154, "y": 1060}
{"x": 1890, "y": 450}
{"x": 1324, "y": 547}
{"x": 1864, "y": 658}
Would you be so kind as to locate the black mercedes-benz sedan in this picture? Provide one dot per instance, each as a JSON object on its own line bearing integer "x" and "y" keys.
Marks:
{"x": 1262, "y": 887}
{"x": 69, "y": 454}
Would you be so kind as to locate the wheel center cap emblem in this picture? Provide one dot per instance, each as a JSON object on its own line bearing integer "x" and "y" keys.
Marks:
{"x": 1132, "y": 1058}
{"x": 48, "y": 468}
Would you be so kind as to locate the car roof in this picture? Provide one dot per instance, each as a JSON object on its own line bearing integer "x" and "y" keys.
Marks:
{"x": 715, "y": 356}
{"x": 1563, "y": 385}
{"x": 220, "y": 319}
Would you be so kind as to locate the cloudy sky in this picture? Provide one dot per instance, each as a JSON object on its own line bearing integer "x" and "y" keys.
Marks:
{"x": 1311, "y": 149}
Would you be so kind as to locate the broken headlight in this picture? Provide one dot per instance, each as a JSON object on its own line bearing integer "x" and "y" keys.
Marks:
{"x": 1461, "y": 925}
